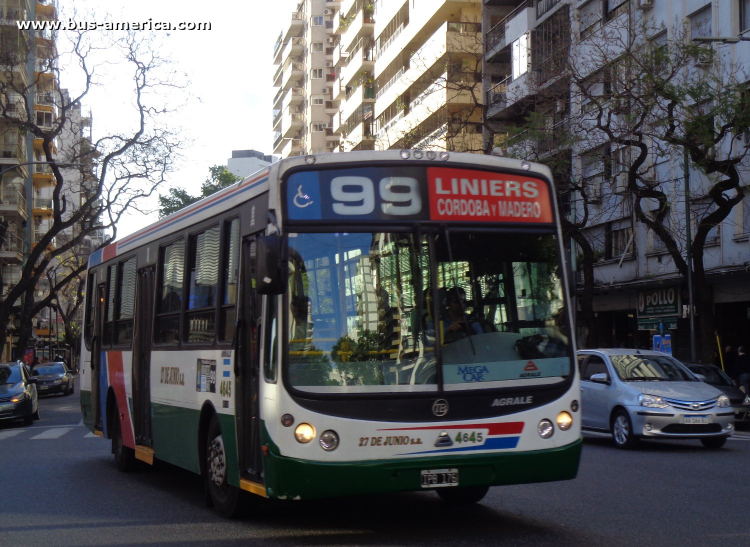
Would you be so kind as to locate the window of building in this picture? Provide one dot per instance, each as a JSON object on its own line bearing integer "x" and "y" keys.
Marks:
{"x": 317, "y": 20}
{"x": 590, "y": 15}
{"x": 229, "y": 279}
{"x": 618, "y": 241}
{"x": 318, "y": 126}
{"x": 593, "y": 166}
{"x": 316, "y": 73}
{"x": 317, "y": 47}
{"x": 701, "y": 23}
{"x": 126, "y": 302}
{"x": 44, "y": 119}
{"x": 317, "y": 100}
{"x": 616, "y": 8}
{"x": 172, "y": 270}
{"x": 521, "y": 56}
{"x": 203, "y": 286}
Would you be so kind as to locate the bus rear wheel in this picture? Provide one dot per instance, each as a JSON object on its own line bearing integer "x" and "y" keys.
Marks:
{"x": 463, "y": 496}
{"x": 224, "y": 497}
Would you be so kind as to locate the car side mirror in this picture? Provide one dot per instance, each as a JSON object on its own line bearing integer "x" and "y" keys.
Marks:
{"x": 600, "y": 378}
{"x": 272, "y": 265}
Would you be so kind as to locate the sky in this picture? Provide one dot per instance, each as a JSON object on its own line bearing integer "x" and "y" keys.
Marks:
{"x": 230, "y": 70}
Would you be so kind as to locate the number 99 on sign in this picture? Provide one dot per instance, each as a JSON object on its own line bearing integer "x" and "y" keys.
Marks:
{"x": 355, "y": 196}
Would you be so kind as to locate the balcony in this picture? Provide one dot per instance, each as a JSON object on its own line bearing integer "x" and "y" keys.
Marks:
{"x": 42, "y": 175}
{"x": 45, "y": 98}
{"x": 293, "y": 48}
{"x": 42, "y": 206}
{"x": 362, "y": 25}
{"x": 14, "y": 151}
{"x": 291, "y": 122}
{"x": 295, "y": 26}
{"x": 361, "y": 59}
{"x": 11, "y": 250}
{"x": 449, "y": 38}
{"x": 356, "y": 97}
{"x": 516, "y": 23}
{"x": 13, "y": 203}
{"x": 293, "y": 73}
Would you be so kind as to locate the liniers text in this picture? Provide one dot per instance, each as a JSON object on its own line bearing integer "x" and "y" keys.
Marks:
{"x": 150, "y": 24}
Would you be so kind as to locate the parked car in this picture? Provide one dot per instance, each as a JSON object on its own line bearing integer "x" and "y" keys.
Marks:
{"x": 18, "y": 395}
{"x": 53, "y": 378}
{"x": 636, "y": 394}
{"x": 716, "y": 377}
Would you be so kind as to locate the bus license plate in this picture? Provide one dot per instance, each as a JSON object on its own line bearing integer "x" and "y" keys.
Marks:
{"x": 437, "y": 478}
{"x": 696, "y": 419}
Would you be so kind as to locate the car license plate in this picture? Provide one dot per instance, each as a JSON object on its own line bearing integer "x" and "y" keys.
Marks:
{"x": 696, "y": 419}
{"x": 43, "y": 387}
{"x": 437, "y": 478}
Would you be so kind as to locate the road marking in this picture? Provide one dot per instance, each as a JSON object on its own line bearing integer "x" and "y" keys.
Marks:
{"x": 53, "y": 433}
{"x": 91, "y": 436}
{"x": 8, "y": 434}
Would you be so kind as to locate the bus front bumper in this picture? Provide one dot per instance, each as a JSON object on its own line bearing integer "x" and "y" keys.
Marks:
{"x": 288, "y": 478}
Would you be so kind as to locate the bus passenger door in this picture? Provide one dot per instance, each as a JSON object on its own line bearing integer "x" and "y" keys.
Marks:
{"x": 247, "y": 364}
{"x": 144, "y": 318}
{"x": 96, "y": 357}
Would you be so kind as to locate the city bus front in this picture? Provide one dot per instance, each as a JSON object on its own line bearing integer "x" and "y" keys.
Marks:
{"x": 421, "y": 338}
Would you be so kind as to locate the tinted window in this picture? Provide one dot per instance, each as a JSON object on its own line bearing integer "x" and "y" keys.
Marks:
{"x": 10, "y": 375}
{"x": 204, "y": 283}
{"x": 54, "y": 368}
{"x": 126, "y": 300}
{"x": 595, "y": 365}
{"x": 172, "y": 270}
{"x": 713, "y": 375}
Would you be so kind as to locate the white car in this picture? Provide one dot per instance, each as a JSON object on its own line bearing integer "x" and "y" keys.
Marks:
{"x": 635, "y": 393}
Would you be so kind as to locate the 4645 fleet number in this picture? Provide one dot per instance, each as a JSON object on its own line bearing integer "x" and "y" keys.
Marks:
{"x": 469, "y": 437}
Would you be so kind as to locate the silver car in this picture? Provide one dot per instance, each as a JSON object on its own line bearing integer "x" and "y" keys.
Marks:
{"x": 634, "y": 393}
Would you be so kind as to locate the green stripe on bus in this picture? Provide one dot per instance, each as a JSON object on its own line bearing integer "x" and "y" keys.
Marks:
{"x": 87, "y": 410}
{"x": 289, "y": 478}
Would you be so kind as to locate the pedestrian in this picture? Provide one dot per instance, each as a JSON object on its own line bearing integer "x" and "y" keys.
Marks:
{"x": 742, "y": 367}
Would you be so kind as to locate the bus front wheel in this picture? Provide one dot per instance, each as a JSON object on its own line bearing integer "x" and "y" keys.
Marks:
{"x": 224, "y": 497}
{"x": 124, "y": 456}
{"x": 463, "y": 496}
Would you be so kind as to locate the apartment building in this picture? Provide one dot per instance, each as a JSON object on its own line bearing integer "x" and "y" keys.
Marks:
{"x": 638, "y": 291}
{"x": 28, "y": 85}
{"x": 379, "y": 74}
{"x": 303, "y": 105}
{"x": 246, "y": 162}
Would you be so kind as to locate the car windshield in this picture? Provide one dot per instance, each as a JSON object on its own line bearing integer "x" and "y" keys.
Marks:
{"x": 713, "y": 375}
{"x": 10, "y": 374}
{"x": 635, "y": 368}
{"x": 52, "y": 368}
{"x": 364, "y": 315}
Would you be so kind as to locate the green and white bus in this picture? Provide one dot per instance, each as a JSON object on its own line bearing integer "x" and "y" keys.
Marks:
{"x": 343, "y": 324}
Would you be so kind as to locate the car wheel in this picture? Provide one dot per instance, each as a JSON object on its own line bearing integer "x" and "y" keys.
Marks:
{"x": 622, "y": 431}
{"x": 36, "y": 414}
{"x": 29, "y": 419}
{"x": 124, "y": 456}
{"x": 72, "y": 388}
{"x": 463, "y": 496}
{"x": 67, "y": 391}
{"x": 224, "y": 497}
{"x": 714, "y": 442}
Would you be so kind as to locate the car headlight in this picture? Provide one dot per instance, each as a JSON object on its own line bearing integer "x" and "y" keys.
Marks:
{"x": 58, "y": 381}
{"x": 723, "y": 402}
{"x": 747, "y": 400}
{"x": 652, "y": 401}
{"x": 20, "y": 397}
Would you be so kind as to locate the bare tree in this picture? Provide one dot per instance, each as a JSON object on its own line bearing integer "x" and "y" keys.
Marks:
{"x": 115, "y": 172}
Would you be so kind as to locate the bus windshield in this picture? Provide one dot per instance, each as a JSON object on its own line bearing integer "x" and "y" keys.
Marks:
{"x": 395, "y": 312}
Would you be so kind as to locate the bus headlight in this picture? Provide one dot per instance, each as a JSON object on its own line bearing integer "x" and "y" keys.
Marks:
{"x": 329, "y": 440}
{"x": 545, "y": 429}
{"x": 564, "y": 421}
{"x": 304, "y": 433}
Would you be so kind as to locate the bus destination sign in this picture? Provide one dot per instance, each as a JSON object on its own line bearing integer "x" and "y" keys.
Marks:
{"x": 390, "y": 194}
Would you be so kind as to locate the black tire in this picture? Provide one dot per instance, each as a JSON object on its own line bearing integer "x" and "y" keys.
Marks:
{"x": 463, "y": 496}
{"x": 28, "y": 420}
{"x": 72, "y": 388}
{"x": 36, "y": 414}
{"x": 714, "y": 442}
{"x": 224, "y": 497}
{"x": 622, "y": 431}
{"x": 124, "y": 456}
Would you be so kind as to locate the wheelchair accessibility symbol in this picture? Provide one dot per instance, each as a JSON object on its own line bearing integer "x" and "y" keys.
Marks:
{"x": 301, "y": 199}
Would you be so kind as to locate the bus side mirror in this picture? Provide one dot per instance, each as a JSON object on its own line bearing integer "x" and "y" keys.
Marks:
{"x": 272, "y": 269}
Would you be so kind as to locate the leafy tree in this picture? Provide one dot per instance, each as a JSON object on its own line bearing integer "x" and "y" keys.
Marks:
{"x": 219, "y": 178}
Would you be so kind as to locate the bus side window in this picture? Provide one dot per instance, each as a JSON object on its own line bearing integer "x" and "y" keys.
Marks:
{"x": 270, "y": 351}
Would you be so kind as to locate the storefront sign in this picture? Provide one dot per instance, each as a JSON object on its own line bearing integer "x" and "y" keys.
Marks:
{"x": 658, "y": 324}
{"x": 659, "y": 302}
{"x": 663, "y": 343}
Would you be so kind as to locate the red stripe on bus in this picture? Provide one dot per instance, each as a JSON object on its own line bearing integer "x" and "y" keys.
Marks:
{"x": 504, "y": 428}
{"x": 117, "y": 381}
{"x": 109, "y": 252}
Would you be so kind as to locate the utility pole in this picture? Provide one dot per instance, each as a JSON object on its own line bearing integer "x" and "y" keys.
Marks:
{"x": 689, "y": 254}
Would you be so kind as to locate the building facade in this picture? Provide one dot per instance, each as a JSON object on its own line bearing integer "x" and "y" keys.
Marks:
{"x": 538, "y": 66}
{"x": 246, "y": 162}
